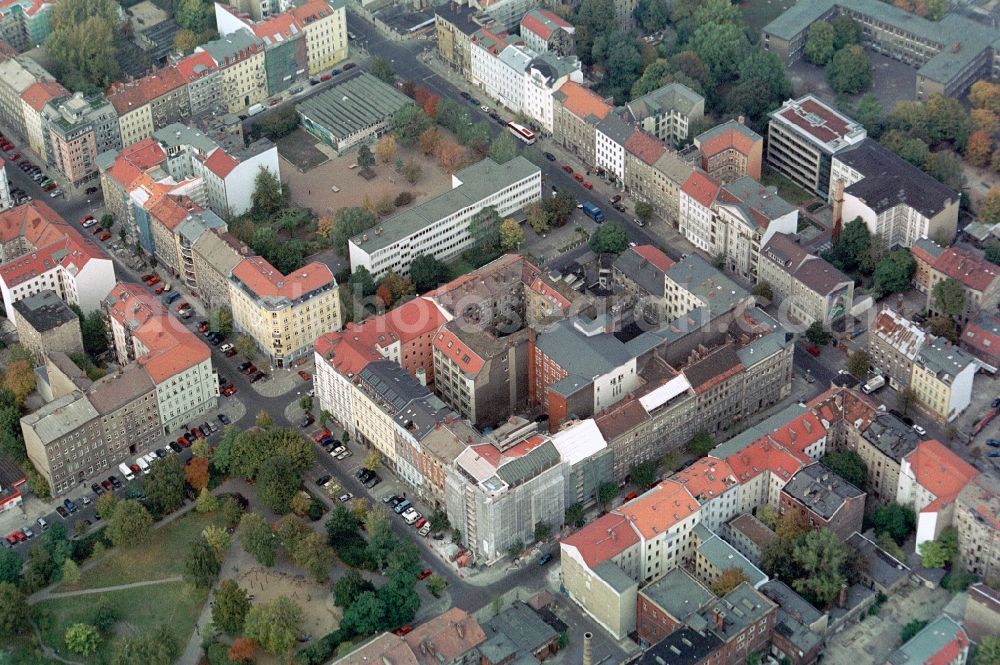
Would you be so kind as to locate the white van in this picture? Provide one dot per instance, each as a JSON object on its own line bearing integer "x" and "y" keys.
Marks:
{"x": 150, "y": 458}
{"x": 141, "y": 461}
{"x": 255, "y": 109}
{"x": 126, "y": 471}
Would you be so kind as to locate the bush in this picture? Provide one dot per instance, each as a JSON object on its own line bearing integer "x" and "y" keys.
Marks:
{"x": 403, "y": 198}
{"x": 321, "y": 650}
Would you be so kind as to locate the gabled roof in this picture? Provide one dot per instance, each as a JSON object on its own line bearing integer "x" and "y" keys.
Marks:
{"x": 645, "y": 147}
{"x": 220, "y": 163}
{"x": 939, "y": 471}
{"x": 972, "y": 270}
{"x": 447, "y": 637}
{"x": 543, "y": 23}
{"x": 761, "y": 204}
{"x": 941, "y": 642}
{"x": 41, "y": 93}
{"x": 449, "y": 345}
{"x": 820, "y": 276}
{"x": 196, "y": 65}
{"x": 603, "y": 539}
{"x": 265, "y": 281}
{"x": 582, "y": 102}
{"x": 706, "y": 478}
{"x": 127, "y": 97}
{"x": 899, "y": 333}
{"x": 729, "y": 135}
{"x": 982, "y": 334}
{"x": 660, "y": 509}
{"x": 701, "y": 188}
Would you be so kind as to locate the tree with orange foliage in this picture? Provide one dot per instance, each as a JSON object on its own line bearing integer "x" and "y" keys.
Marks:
{"x": 431, "y": 105}
{"x": 450, "y": 156}
{"x": 19, "y": 378}
{"x": 984, "y": 120}
{"x": 384, "y": 294}
{"x": 729, "y": 580}
{"x": 978, "y": 148}
{"x": 428, "y": 141}
{"x": 386, "y": 148}
{"x": 196, "y": 472}
{"x": 985, "y": 95}
{"x": 244, "y": 650}
{"x": 421, "y": 94}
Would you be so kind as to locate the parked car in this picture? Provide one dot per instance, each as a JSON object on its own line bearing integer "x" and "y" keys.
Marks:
{"x": 919, "y": 430}
{"x": 307, "y": 420}
{"x": 106, "y": 236}
{"x": 403, "y": 630}
{"x": 117, "y": 484}
{"x": 568, "y": 169}
{"x": 96, "y": 489}
{"x": 549, "y": 156}
{"x": 305, "y": 375}
{"x": 425, "y": 529}
{"x": 345, "y": 497}
{"x": 63, "y": 513}
{"x": 993, "y": 443}
{"x": 259, "y": 376}
{"x": 419, "y": 524}
{"x": 373, "y": 481}
{"x": 224, "y": 419}
{"x": 226, "y": 347}
{"x": 544, "y": 559}
{"x": 70, "y": 506}
{"x": 42, "y": 524}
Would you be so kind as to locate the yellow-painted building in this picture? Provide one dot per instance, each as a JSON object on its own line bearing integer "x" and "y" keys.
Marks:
{"x": 240, "y": 56}
{"x": 284, "y": 314}
{"x": 325, "y": 26}
{"x": 942, "y": 379}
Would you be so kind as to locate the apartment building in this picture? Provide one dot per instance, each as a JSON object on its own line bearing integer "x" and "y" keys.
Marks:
{"x": 240, "y": 56}
{"x": 943, "y": 640}
{"x": 976, "y": 511}
{"x": 24, "y": 24}
{"x": 807, "y": 286}
{"x": 979, "y": 278}
{"x": 177, "y": 361}
{"x": 750, "y": 215}
{"x": 39, "y": 251}
{"x": 454, "y": 25}
{"x": 45, "y": 324}
{"x": 214, "y": 257}
{"x": 439, "y": 227}
{"x": 893, "y": 345}
{"x": 825, "y": 500}
{"x": 667, "y": 112}
{"x": 544, "y": 32}
{"x": 949, "y": 55}
{"x": 639, "y": 542}
{"x": 612, "y": 133}
{"x": 17, "y": 75}
{"x": 203, "y": 78}
{"x": 383, "y": 391}
{"x": 802, "y": 138}
{"x": 576, "y": 113}
{"x": 149, "y": 103}
{"x": 730, "y": 151}
{"x": 665, "y": 605}
{"x": 930, "y": 479}
{"x": 5, "y": 198}
{"x": 284, "y": 314}
{"x": 898, "y": 202}
{"x": 325, "y": 27}
{"x": 882, "y": 446}
{"x": 65, "y": 442}
{"x": 495, "y": 496}
{"x": 79, "y": 129}
{"x": 942, "y": 379}
{"x": 655, "y": 174}
{"x": 981, "y": 338}
{"x": 925, "y": 252}
{"x": 33, "y": 101}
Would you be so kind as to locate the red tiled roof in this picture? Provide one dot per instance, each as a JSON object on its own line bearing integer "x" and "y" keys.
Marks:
{"x": 310, "y": 11}
{"x": 730, "y": 139}
{"x": 837, "y": 404}
{"x": 496, "y": 458}
{"x": 446, "y": 638}
{"x": 833, "y": 125}
{"x": 982, "y": 334}
{"x": 344, "y": 353}
{"x": 171, "y": 210}
{"x": 264, "y": 280}
{"x": 127, "y": 97}
{"x": 707, "y": 478}
{"x": 655, "y": 257}
{"x": 972, "y": 270}
{"x": 800, "y": 433}
{"x": 35, "y": 221}
{"x": 412, "y": 319}
{"x": 277, "y": 27}
{"x": 220, "y": 163}
{"x": 539, "y": 286}
{"x": 582, "y": 102}
{"x": 660, "y": 508}
{"x": 701, "y": 188}
{"x": 172, "y": 348}
{"x": 39, "y": 94}
{"x": 645, "y": 147}
{"x": 949, "y": 653}
{"x": 939, "y": 471}
{"x": 452, "y": 347}
{"x": 622, "y": 417}
{"x": 766, "y": 455}
{"x": 196, "y": 65}
{"x": 533, "y": 22}
{"x": 603, "y": 539}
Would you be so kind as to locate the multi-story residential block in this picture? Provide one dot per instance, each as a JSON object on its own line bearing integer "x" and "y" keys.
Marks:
{"x": 982, "y": 612}
{"x": 383, "y": 391}
{"x": 45, "y": 324}
{"x": 893, "y": 345}
{"x": 666, "y": 605}
{"x": 979, "y": 278}
{"x": 33, "y": 101}
{"x": 543, "y": 31}
{"x": 439, "y": 227}
{"x": 79, "y": 129}
{"x": 39, "y": 251}
{"x": 17, "y": 75}
{"x": 942, "y": 379}
{"x": 749, "y": 536}
{"x": 64, "y": 441}
{"x": 451, "y": 638}
{"x": 240, "y": 56}
{"x": 214, "y": 257}
{"x": 730, "y": 151}
{"x": 981, "y": 338}
{"x": 496, "y": 496}
{"x": 641, "y": 541}
{"x": 743, "y": 621}
{"x": 655, "y": 174}
{"x": 24, "y": 24}
{"x": 807, "y": 286}
{"x": 325, "y": 27}
{"x": 203, "y": 77}
{"x": 454, "y": 26}
{"x": 949, "y": 55}
{"x": 799, "y": 627}
{"x": 149, "y": 103}
{"x": 5, "y": 198}
{"x": 576, "y": 113}
{"x": 713, "y": 556}
{"x": 898, "y": 202}
{"x": 640, "y": 272}
{"x": 802, "y": 138}
{"x": 685, "y": 646}
{"x": 178, "y": 363}
{"x": 925, "y": 252}
{"x": 284, "y": 314}
{"x": 611, "y": 135}
{"x": 825, "y": 500}
{"x": 696, "y": 220}
{"x": 930, "y": 479}
{"x": 882, "y": 446}
{"x": 668, "y": 112}
{"x": 976, "y": 511}
{"x": 355, "y": 111}
{"x": 943, "y": 640}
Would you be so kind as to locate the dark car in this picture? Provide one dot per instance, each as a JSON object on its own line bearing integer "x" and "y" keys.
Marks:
{"x": 259, "y": 376}
{"x": 96, "y": 489}
{"x": 307, "y": 421}
{"x": 544, "y": 559}
{"x": 349, "y": 65}
{"x": 996, "y": 403}
{"x": 242, "y": 366}
{"x": 424, "y": 574}
{"x": 372, "y": 481}
{"x": 90, "y": 190}
{"x": 224, "y": 419}
{"x": 63, "y": 513}
{"x": 363, "y": 475}
{"x": 323, "y": 480}
{"x": 106, "y": 484}
{"x": 549, "y": 156}
{"x": 993, "y": 443}
{"x": 161, "y": 453}
{"x": 465, "y": 95}
{"x": 117, "y": 484}
{"x": 70, "y": 506}
{"x": 176, "y": 447}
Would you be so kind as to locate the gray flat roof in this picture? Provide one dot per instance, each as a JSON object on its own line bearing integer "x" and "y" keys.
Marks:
{"x": 821, "y": 490}
{"x": 478, "y": 182}
{"x": 679, "y": 593}
{"x": 353, "y": 105}
{"x": 45, "y": 311}
{"x": 60, "y": 417}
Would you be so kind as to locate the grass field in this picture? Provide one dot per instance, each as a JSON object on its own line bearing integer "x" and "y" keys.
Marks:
{"x": 162, "y": 557}
{"x": 175, "y": 604}
{"x": 787, "y": 189}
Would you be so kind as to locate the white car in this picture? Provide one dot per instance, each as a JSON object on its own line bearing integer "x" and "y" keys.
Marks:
{"x": 345, "y": 497}
{"x": 425, "y": 530}
{"x": 225, "y": 347}
{"x": 919, "y": 430}
{"x": 89, "y": 223}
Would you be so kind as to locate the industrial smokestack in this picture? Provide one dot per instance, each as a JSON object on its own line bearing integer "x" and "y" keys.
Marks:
{"x": 838, "y": 208}
{"x": 587, "y": 658}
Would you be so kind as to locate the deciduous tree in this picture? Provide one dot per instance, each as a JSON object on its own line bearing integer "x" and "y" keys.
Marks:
{"x": 721, "y": 47}
{"x": 701, "y": 444}
{"x": 849, "y": 71}
{"x": 268, "y": 195}
{"x": 450, "y": 156}
{"x": 82, "y": 639}
{"x": 894, "y": 272}
{"x": 729, "y": 580}
{"x": 858, "y": 363}
{"x": 244, "y": 650}
{"x": 609, "y": 238}
{"x": 386, "y": 148}
{"x": 185, "y": 41}
{"x": 949, "y": 297}
{"x": 275, "y": 625}
{"x": 230, "y": 608}
{"x": 985, "y": 95}
{"x": 979, "y": 148}
{"x": 258, "y": 539}
{"x": 940, "y": 552}
{"x": 155, "y": 647}
{"x": 130, "y": 524}
{"x": 201, "y": 564}
{"x": 511, "y": 235}
{"x": 277, "y": 483}
{"x": 503, "y": 149}
{"x": 822, "y": 556}
{"x": 819, "y": 46}
{"x": 988, "y": 651}
{"x": 382, "y": 70}
{"x": 196, "y": 472}
{"x": 427, "y": 272}
{"x": 849, "y": 466}
{"x": 164, "y": 486}
{"x": 19, "y": 379}
{"x": 893, "y": 520}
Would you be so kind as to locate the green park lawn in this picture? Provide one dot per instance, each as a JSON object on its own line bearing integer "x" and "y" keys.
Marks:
{"x": 175, "y": 604}
{"x": 161, "y": 557}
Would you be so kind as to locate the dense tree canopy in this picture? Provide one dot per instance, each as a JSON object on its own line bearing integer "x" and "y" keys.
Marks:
{"x": 850, "y": 70}
{"x": 849, "y": 466}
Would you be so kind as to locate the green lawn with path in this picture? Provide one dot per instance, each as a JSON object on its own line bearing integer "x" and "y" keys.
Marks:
{"x": 160, "y": 558}
{"x": 176, "y": 604}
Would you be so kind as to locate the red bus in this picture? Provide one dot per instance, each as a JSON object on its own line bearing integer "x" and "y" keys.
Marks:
{"x": 522, "y": 133}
